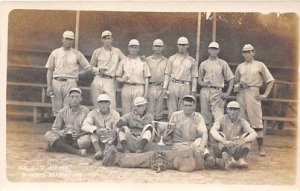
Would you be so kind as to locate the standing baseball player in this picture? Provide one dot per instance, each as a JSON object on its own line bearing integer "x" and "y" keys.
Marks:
{"x": 66, "y": 134}
{"x": 105, "y": 62}
{"x": 180, "y": 76}
{"x": 101, "y": 124}
{"x": 234, "y": 137}
{"x": 63, "y": 67}
{"x": 157, "y": 64}
{"x": 249, "y": 77}
{"x": 213, "y": 73}
{"x": 136, "y": 129}
{"x": 135, "y": 74}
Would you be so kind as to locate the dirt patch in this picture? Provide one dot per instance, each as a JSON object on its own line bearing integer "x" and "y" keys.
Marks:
{"x": 27, "y": 161}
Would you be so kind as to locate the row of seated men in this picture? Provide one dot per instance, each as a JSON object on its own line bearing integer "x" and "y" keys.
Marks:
{"x": 135, "y": 140}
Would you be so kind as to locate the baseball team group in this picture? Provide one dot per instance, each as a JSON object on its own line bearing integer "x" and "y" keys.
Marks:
{"x": 220, "y": 136}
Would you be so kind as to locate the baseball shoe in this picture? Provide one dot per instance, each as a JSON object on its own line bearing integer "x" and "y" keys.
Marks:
{"x": 110, "y": 156}
{"x": 262, "y": 152}
{"x": 210, "y": 162}
{"x": 228, "y": 161}
{"x": 138, "y": 151}
{"x": 82, "y": 152}
{"x": 98, "y": 155}
{"x": 242, "y": 163}
{"x": 50, "y": 148}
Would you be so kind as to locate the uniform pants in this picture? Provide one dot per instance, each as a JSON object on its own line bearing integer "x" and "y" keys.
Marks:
{"x": 250, "y": 107}
{"x": 129, "y": 93}
{"x": 177, "y": 92}
{"x": 236, "y": 151}
{"x": 143, "y": 160}
{"x": 83, "y": 142}
{"x": 211, "y": 105}
{"x": 102, "y": 85}
{"x": 61, "y": 91}
{"x": 156, "y": 101}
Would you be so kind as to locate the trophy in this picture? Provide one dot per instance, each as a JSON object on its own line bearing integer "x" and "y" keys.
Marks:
{"x": 162, "y": 130}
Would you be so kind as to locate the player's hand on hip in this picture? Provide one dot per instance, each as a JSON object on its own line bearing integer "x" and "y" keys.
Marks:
{"x": 260, "y": 97}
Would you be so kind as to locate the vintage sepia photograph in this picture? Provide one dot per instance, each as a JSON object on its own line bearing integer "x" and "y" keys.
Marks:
{"x": 151, "y": 97}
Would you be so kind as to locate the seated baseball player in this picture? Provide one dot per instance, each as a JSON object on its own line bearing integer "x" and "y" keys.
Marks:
{"x": 101, "y": 125}
{"x": 190, "y": 130}
{"x": 66, "y": 134}
{"x": 234, "y": 137}
{"x": 135, "y": 129}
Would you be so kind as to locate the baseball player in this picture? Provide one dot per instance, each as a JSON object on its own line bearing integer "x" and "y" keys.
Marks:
{"x": 63, "y": 71}
{"x": 213, "y": 72}
{"x": 249, "y": 77}
{"x": 66, "y": 134}
{"x": 101, "y": 122}
{"x": 234, "y": 136}
{"x": 157, "y": 64}
{"x": 135, "y": 128}
{"x": 105, "y": 62}
{"x": 180, "y": 76}
{"x": 135, "y": 74}
{"x": 190, "y": 129}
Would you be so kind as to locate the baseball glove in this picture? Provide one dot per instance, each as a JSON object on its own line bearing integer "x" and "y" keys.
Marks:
{"x": 106, "y": 135}
{"x": 185, "y": 163}
{"x": 159, "y": 161}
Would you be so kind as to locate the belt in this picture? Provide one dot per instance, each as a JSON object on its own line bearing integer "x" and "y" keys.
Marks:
{"x": 133, "y": 84}
{"x": 180, "y": 82}
{"x": 106, "y": 76}
{"x": 60, "y": 79}
{"x": 156, "y": 83}
{"x": 215, "y": 87}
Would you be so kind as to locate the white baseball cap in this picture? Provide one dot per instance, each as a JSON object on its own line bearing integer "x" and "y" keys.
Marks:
{"x": 233, "y": 104}
{"x": 189, "y": 96}
{"x": 68, "y": 34}
{"x": 106, "y": 33}
{"x": 75, "y": 90}
{"x": 183, "y": 40}
{"x": 248, "y": 47}
{"x": 214, "y": 45}
{"x": 158, "y": 42}
{"x": 103, "y": 97}
{"x": 133, "y": 42}
{"x": 139, "y": 101}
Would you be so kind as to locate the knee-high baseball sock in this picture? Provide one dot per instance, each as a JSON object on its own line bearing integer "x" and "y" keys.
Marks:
{"x": 143, "y": 143}
{"x": 59, "y": 144}
{"x": 245, "y": 152}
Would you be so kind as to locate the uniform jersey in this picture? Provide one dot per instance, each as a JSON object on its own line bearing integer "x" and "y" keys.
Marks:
{"x": 66, "y": 117}
{"x": 95, "y": 120}
{"x": 253, "y": 74}
{"x": 182, "y": 67}
{"x": 215, "y": 72}
{"x": 102, "y": 58}
{"x": 232, "y": 130}
{"x": 157, "y": 68}
{"x": 66, "y": 62}
{"x": 188, "y": 128}
{"x": 135, "y": 122}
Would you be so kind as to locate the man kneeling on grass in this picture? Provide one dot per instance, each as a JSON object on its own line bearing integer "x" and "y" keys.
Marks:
{"x": 234, "y": 137}
{"x": 66, "y": 134}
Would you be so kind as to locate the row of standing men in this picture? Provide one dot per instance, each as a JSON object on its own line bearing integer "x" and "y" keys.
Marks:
{"x": 156, "y": 77}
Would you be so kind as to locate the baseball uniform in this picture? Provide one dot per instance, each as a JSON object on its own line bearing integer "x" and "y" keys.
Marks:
{"x": 232, "y": 131}
{"x": 139, "y": 129}
{"x": 157, "y": 68}
{"x": 96, "y": 120}
{"x": 181, "y": 69}
{"x": 68, "y": 120}
{"x": 105, "y": 83}
{"x": 136, "y": 71}
{"x": 216, "y": 72}
{"x": 252, "y": 75}
{"x": 65, "y": 64}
